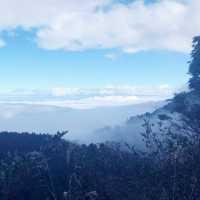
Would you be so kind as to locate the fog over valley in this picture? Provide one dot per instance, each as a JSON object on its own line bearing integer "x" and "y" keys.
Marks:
{"x": 79, "y": 122}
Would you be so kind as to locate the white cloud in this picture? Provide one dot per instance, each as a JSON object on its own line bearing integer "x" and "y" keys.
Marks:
{"x": 37, "y": 13}
{"x": 89, "y": 103}
{"x": 130, "y": 27}
{"x": 162, "y": 91}
{"x": 92, "y": 24}
{"x": 111, "y": 56}
{"x": 84, "y": 98}
{"x": 63, "y": 91}
{"x": 8, "y": 111}
{"x": 2, "y": 43}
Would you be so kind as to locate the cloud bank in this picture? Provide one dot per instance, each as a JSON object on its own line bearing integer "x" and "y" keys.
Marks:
{"x": 86, "y": 98}
{"x": 104, "y": 24}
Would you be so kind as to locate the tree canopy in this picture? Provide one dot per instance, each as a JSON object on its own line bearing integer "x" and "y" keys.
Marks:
{"x": 194, "y": 68}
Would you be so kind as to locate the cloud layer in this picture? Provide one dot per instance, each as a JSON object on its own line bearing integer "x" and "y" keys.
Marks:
{"x": 95, "y": 24}
{"x": 85, "y": 98}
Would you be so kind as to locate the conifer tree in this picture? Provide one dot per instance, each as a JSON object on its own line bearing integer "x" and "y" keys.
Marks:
{"x": 194, "y": 68}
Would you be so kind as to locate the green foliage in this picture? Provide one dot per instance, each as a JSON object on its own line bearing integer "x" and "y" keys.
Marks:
{"x": 164, "y": 117}
{"x": 174, "y": 154}
{"x": 194, "y": 69}
{"x": 179, "y": 102}
{"x": 194, "y": 83}
{"x": 61, "y": 170}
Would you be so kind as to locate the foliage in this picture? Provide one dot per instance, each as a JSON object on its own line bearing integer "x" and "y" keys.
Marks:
{"x": 179, "y": 101}
{"x": 52, "y": 168}
{"x": 194, "y": 69}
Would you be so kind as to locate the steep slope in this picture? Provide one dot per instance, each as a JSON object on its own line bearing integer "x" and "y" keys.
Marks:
{"x": 175, "y": 114}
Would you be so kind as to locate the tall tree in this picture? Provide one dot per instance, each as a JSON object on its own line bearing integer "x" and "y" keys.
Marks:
{"x": 194, "y": 69}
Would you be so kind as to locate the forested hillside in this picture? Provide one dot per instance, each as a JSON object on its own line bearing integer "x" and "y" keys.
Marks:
{"x": 48, "y": 167}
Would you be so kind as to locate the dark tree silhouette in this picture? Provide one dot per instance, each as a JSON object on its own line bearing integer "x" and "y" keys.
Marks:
{"x": 194, "y": 68}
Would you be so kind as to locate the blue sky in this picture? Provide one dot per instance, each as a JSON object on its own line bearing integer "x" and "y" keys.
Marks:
{"x": 130, "y": 44}
{"x": 24, "y": 65}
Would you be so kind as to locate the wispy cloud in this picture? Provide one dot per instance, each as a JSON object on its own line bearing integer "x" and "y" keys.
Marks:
{"x": 84, "y": 98}
{"x": 92, "y": 24}
{"x": 2, "y": 43}
{"x": 111, "y": 56}
{"x": 65, "y": 91}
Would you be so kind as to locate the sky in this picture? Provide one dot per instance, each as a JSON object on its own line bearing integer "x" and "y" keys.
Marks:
{"x": 89, "y": 53}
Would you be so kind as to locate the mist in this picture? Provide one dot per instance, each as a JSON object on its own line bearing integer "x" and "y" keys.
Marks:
{"x": 84, "y": 125}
